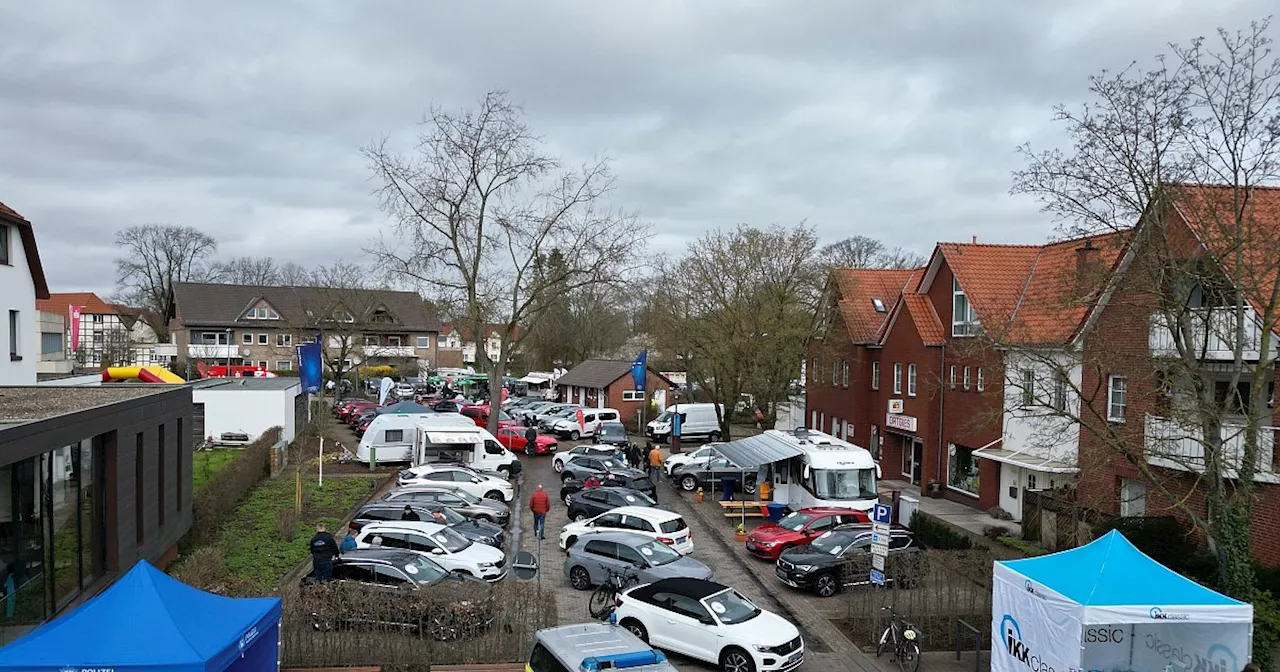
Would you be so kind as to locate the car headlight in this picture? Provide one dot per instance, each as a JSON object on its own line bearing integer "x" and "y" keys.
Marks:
{"x": 765, "y": 543}
{"x": 805, "y": 568}
{"x": 485, "y": 565}
{"x": 488, "y": 540}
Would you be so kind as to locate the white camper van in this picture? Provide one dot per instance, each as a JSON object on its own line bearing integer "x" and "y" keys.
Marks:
{"x": 697, "y": 421}
{"x": 390, "y": 435}
{"x": 471, "y": 446}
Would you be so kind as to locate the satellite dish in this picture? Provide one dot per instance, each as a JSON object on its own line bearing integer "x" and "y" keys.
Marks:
{"x": 246, "y": 352}
{"x": 525, "y": 566}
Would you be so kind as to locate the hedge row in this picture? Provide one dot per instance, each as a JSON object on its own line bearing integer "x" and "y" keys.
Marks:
{"x": 214, "y": 502}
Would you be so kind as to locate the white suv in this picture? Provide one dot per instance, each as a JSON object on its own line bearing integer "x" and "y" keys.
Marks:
{"x": 659, "y": 524}
{"x": 451, "y": 550}
{"x": 568, "y": 428}
{"x": 461, "y": 478}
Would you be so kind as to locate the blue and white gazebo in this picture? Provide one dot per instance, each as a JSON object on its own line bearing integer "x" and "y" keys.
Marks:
{"x": 1109, "y": 606}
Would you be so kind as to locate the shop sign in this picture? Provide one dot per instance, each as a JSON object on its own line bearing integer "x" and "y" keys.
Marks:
{"x": 895, "y": 405}
{"x": 906, "y": 423}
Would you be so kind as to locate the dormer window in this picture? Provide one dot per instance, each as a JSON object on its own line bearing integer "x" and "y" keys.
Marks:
{"x": 964, "y": 321}
{"x": 343, "y": 316}
{"x": 262, "y": 312}
{"x": 878, "y": 305}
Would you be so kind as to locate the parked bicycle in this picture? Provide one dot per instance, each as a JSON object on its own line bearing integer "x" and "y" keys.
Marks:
{"x": 903, "y": 639}
{"x": 604, "y": 599}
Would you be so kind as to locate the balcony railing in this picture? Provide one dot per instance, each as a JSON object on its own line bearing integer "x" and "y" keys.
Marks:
{"x": 1213, "y": 332}
{"x": 209, "y": 351}
{"x": 389, "y": 351}
{"x": 168, "y": 350}
{"x": 1173, "y": 445}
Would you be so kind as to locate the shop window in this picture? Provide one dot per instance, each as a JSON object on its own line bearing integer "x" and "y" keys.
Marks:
{"x": 962, "y": 468}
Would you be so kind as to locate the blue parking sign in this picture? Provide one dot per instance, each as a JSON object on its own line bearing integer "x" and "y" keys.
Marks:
{"x": 882, "y": 513}
{"x": 877, "y": 577}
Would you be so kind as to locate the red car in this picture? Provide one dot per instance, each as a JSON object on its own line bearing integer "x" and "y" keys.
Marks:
{"x": 351, "y": 410}
{"x": 799, "y": 528}
{"x": 479, "y": 414}
{"x": 513, "y": 439}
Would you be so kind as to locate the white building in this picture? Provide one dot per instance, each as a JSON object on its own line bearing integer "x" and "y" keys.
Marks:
{"x": 53, "y": 359}
{"x": 247, "y": 405}
{"x": 105, "y": 334}
{"x": 22, "y": 281}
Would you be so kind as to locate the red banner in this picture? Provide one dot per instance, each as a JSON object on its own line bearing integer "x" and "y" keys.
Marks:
{"x": 74, "y": 312}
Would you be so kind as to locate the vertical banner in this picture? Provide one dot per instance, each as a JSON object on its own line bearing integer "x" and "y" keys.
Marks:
{"x": 309, "y": 367}
{"x": 74, "y": 313}
{"x": 582, "y": 422}
{"x": 639, "y": 370}
{"x": 385, "y": 389}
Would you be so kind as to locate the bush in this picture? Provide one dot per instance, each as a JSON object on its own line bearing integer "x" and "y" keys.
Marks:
{"x": 1266, "y": 629}
{"x": 221, "y": 493}
{"x": 999, "y": 513}
{"x": 994, "y": 532}
{"x": 933, "y": 534}
{"x": 1021, "y": 544}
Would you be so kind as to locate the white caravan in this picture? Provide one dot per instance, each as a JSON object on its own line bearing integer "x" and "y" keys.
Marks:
{"x": 390, "y": 436}
{"x": 827, "y": 472}
{"x": 697, "y": 421}
{"x": 470, "y": 446}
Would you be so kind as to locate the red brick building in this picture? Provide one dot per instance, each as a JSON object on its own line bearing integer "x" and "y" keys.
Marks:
{"x": 607, "y": 383}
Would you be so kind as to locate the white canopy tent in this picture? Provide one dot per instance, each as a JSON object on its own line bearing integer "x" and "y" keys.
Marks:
{"x": 1107, "y": 606}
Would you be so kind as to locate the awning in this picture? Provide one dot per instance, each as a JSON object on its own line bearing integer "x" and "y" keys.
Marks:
{"x": 753, "y": 451}
{"x": 534, "y": 380}
{"x": 451, "y": 437}
{"x": 1021, "y": 459}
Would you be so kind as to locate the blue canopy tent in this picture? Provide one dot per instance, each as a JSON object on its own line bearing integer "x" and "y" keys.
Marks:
{"x": 148, "y": 621}
{"x": 404, "y": 407}
{"x": 1108, "y": 606}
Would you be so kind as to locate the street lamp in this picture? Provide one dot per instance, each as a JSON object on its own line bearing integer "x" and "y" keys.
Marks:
{"x": 228, "y": 352}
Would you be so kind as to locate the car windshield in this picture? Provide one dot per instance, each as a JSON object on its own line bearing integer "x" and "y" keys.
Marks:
{"x": 730, "y": 607}
{"x": 795, "y": 521}
{"x": 844, "y": 483}
{"x": 451, "y": 541}
{"x": 613, "y": 432}
{"x": 502, "y": 415}
{"x": 832, "y": 542}
{"x": 657, "y": 553}
{"x": 450, "y": 516}
{"x": 423, "y": 570}
{"x": 639, "y": 499}
{"x": 673, "y": 526}
{"x": 610, "y": 464}
{"x": 665, "y": 417}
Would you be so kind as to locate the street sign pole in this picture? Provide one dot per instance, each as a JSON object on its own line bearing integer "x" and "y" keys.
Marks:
{"x": 881, "y": 514}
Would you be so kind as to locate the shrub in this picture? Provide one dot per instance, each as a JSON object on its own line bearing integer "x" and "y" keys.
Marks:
{"x": 1021, "y": 544}
{"x": 220, "y": 495}
{"x": 999, "y": 513}
{"x": 994, "y": 532}
{"x": 933, "y": 534}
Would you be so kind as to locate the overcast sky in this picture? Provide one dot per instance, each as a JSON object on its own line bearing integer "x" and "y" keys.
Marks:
{"x": 245, "y": 118}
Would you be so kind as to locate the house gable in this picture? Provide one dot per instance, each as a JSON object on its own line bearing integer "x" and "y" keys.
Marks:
{"x": 260, "y": 309}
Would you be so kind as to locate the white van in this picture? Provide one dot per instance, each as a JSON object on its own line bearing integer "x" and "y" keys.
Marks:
{"x": 391, "y": 434}
{"x": 470, "y": 446}
{"x": 568, "y": 428}
{"x": 697, "y": 421}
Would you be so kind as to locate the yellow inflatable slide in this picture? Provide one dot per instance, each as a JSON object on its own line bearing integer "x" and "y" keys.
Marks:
{"x": 147, "y": 374}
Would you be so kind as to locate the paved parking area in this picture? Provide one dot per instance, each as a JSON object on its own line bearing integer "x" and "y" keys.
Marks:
{"x": 828, "y": 650}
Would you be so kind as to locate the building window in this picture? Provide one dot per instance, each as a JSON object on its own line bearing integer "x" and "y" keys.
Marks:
{"x": 160, "y": 500}
{"x": 284, "y": 365}
{"x": 632, "y": 395}
{"x": 4, "y": 245}
{"x": 982, "y": 383}
{"x": 370, "y": 340}
{"x": 875, "y": 441}
{"x": 393, "y": 436}
{"x": 284, "y": 340}
{"x": 844, "y": 430}
{"x": 424, "y": 341}
{"x": 442, "y": 340}
{"x": 879, "y": 306}
{"x": 964, "y": 322}
{"x": 97, "y": 318}
{"x": 15, "y": 328}
{"x": 262, "y": 313}
{"x": 1059, "y": 391}
{"x": 1027, "y": 383}
{"x": 844, "y": 373}
{"x": 897, "y": 378}
{"x": 911, "y": 380}
{"x": 178, "y": 470}
{"x": 875, "y": 375}
{"x": 262, "y": 364}
{"x": 393, "y": 341}
{"x": 835, "y": 374}
{"x": 952, "y": 377}
{"x": 1117, "y": 398}
{"x": 1133, "y": 498}
{"x": 835, "y": 427}
{"x": 139, "y": 487}
{"x": 246, "y": 339}
{"x": 1031, "y": 482}
{"x": 962, "y": 469}
{"x": 966, "y": 379}
{"x": 264, "y": 339}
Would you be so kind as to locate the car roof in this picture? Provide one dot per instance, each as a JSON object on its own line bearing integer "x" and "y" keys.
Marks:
{"x": 660, "y": 515}
{"x": 576, "y": 643}
{"x": 694, "y": 588}
{"x": 617, "y": 537}
{"x": 420, "y": 526}
{"x": 391, "y": 555}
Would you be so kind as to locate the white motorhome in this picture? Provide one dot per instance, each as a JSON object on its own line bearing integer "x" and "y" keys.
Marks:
{"x": 390, "y": 436}
{"x": 697, "y": 421}
{"x": 827, "y": 471}
{"x": 471, "y": 446}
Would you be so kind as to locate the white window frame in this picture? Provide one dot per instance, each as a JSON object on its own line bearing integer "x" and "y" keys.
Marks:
{"x": 897, "y": 378}
{"x": 912, "y": 381}
{"x": 835, "y": 427}
{"x": 813, "y": 418}
{"x": 246, "y": 338}
{"x": 284, "y": 340}
{"x": 982, "y": 382}
{"x": 1031, "y": 482}
{"x": 952, "y": 377}
{"x": 394, "y": 341}
{"x": 284, "y": 365}
{"x": 835, "y": 374}
{"x": 632, "y": 395}
{"x": 264, "y": 339}
{"x": 844, "y": 373}
{"x": 1132, "y": 503}
{"x": 422, "y": 341}
{"x": 875, "y": 375}
{"x": 1060, "y": 391}
{"x": 1026, "y": 388}
{"x": 1117, "y": 397}
{"x": 966, "y": 379}
{"x": 844, "y": 430}
{"x": 263, "y": 364}
{"x": 371, "y": 341}
{"x": 962, "y": 325}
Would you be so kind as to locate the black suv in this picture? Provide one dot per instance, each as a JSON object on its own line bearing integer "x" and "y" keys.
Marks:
{"x": 476, "y": 530}
{"x": 449, "y": 606}
{"x": 842, "y": 558}
{"x": 592, "y": 502}
{"x": 608, "y": 470}
{"x": 613, "y": 434}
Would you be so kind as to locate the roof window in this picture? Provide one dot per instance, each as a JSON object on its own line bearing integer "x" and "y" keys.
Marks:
{"x": 879, "y": 305}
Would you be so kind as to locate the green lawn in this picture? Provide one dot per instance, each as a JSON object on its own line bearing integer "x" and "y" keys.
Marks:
{"x": 252, "y": 540}
{"x": 206, "y": 463}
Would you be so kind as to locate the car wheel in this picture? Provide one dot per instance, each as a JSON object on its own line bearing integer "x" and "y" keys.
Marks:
{"x": 689, "y": 483}
{"x": 580, "y": 578}
{"x": 557, "y": 466}
{"x": 579, "y": 516}
{"x": 505, "y": 471}
{"x": 735, "y": 659}
{"x": 713, "y": 437}
{"x": 484, "y": 518}
{"x": 497, "y": 496}
{"x": 749, "y": 487}
{"x": 825, "y": 585}
{"x": 568, "y": 499}
{"x": 574, "y": 435}
{"x": 565, "y": 476}
{"x": 636, "y": 628}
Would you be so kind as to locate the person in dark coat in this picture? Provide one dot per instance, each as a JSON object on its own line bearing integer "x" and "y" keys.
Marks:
{"x": 531, "y": 441}
{"x": 409, "y": 514}
{"x": 324, "y": 548}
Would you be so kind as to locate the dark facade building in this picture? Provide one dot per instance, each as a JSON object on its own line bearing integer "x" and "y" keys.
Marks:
{"x": 92, "y": 479}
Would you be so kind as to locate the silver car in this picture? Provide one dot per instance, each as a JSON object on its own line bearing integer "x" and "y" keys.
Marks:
{"x": 591, "y": 560}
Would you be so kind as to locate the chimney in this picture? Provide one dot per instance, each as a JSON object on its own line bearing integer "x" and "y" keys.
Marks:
{"x": 975, "y": 239}
{"x": 1086, "y": 263}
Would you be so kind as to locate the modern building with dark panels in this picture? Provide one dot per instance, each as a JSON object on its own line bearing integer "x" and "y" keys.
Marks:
{"x": 92, "y": 479}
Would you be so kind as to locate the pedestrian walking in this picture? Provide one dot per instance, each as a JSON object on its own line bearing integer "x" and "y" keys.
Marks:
{"x": 655, "y": 464}
{"x": 409, "y": 514}
{"x": 349, "y": 541}
{"x": 324, "y": 548}
{"x": 530, "y": 441}
{"x": 539, "y": 504}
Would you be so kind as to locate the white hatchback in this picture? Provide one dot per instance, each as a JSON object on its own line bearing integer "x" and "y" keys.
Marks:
{"x": 595, "y": 450}
{"x": 659, "y": 524}
{"x": 451, "y": 550}
{"x": 706, "y": 452}
{"x": 711, "y": 622}
{"x": 461, "y": 478}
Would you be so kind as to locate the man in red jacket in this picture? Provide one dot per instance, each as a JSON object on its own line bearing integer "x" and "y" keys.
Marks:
{"x": 539, "y": 504}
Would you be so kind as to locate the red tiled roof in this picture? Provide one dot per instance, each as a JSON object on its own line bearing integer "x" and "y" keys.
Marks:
{"x": 1053, "y": 303}
{"x": 858, "y": 287}
{"x": 28, "y": 236}
{"x": 926, "y": 318}
{"x": 992, "y": 276}
{"x": 10, "y": 214}
{"x": 60, "y": 304}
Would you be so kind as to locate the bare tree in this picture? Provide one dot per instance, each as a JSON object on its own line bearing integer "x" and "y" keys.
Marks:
{"x": 583, "y": 324}
{"x": 1199, "y": 262}
{"x": 155, "y": 256}
{"x": 865, "y": 252}
{"x": 292, "y": 274}
{"x": 110, "y": 347}
{"x": 261, "y": 271}
{"x": 737, "y": 311}
{"x": 477, "y": 207}
{"x": 339, "y": 300}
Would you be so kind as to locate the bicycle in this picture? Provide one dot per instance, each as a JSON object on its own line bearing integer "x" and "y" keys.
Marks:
{"x": 903, "y": 637}
{"x": 604, "y": 599}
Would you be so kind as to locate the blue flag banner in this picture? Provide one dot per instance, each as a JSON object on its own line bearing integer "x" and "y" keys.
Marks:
{"x": 640, "y": 370}
{"x": 309, "y": 366}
